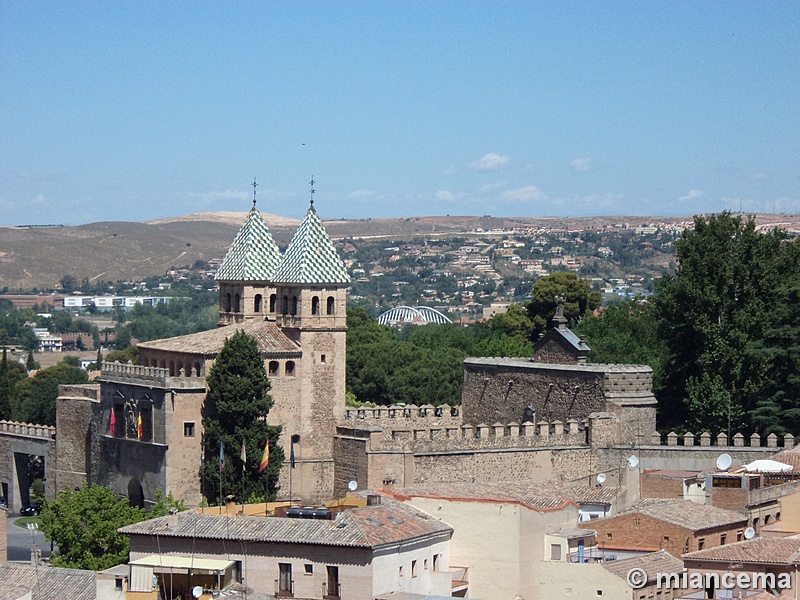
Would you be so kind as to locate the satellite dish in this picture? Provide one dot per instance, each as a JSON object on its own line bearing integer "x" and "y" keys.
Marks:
{"x": 633, "y": 461}
{"x": 724, "y": 461}
{"x": 197, "y": 591}
{"x": 601, "y": 477}
{"x": 352, "y": 486}
{"x": 749, "y": 533}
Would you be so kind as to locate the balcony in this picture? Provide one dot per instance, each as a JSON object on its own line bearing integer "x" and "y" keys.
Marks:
{"x": 284, "y": 588}
{"x": 331, "y": 591}
{"x": 459, "y": 581}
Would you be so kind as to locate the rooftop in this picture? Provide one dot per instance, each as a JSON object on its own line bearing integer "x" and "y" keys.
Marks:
{"x": 253, "y": 255}
{"x": 47, "y": 583}
{"x": 527, "y": 363}
{"x": 270, "y": 338}
{"x": 368, "y": 527}
{"x": 656, "y": 562}
{"x": 773, "y": 551}
{"x": 683, "y": 513}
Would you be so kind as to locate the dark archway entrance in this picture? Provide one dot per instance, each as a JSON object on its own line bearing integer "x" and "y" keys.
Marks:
{"x": 135, "y": 493}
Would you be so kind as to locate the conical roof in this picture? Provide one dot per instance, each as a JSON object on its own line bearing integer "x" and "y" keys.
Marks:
{"x": 311, "y": 256}
{"x": 253, "y": 255}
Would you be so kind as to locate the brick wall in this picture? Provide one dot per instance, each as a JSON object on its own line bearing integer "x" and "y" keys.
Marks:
{"x": 658, "y": 486}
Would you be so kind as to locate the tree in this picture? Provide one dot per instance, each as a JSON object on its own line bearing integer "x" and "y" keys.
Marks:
{"x": 579, "y": 298}
{"x": 68, "y": 283}
{"x": 98, "y": 362}
{"x": 235, "y": 412}
{"x": 30, "y": 364}
{"x": 35, "y": 397}
{"x": 83, "y": 523}
{"x": 713, "y": 315}
{"x": 10, "y": 374}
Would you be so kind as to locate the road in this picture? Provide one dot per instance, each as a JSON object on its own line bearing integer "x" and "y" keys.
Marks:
{"x": 19, "y": 541}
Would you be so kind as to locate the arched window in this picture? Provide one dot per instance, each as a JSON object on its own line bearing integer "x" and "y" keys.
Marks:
{"x": 236, "y": 303}
{"x": 315, "y": 305}
{"x": 331, "y": 304}
{"x": 197, "y": 369}
{"x": 153, "y": 362}
{"x": 285, "y": 307}
{"x": 228, "y": 302}
{"x": 180, "y": 368}
{"x": 257, "y": 303}
{"x": 273, "y": 368}
{"x": 171, "y": 369}
{"x": 294, "y": 305}
{"x": 163, "y": 364}
{"x": 272, "y": 299}
{"x": 289, "y": 368}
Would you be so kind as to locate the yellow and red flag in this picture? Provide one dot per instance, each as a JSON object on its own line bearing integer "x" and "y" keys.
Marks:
{"x": 264, "y": 458}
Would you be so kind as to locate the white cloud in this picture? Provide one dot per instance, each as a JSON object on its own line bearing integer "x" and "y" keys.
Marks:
{"x": 692, "y": 195}
{"x": 581, "y": 165}
{"x": 529, "y": 193}
{"x": 492, "y": 187}
{"x": 489, "y": 162}
{"x": 450, "y": 171}
{"x": 362, "y": 193}
{"x": 447, "y": 195}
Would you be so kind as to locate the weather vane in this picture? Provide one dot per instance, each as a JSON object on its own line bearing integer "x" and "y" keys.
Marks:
{"x": 312, "y": 190}
{"x": 255, "y": 185}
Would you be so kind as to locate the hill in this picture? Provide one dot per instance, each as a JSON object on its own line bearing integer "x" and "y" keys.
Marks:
{"x": 39, "y": 257}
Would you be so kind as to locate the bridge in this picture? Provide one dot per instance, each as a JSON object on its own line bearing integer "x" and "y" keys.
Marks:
{"x": 417, "y": 315}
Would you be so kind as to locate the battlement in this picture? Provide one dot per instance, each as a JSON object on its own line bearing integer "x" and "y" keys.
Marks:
{"x": 45, "y": 432}
{"x": 403, "y": 416}
{"x": 150, "y": 376}
{"x": 721, "y": 440}
{"x": 422, "y": 437}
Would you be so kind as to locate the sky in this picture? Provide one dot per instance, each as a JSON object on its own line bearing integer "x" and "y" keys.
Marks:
{"x": 130, "y": 111}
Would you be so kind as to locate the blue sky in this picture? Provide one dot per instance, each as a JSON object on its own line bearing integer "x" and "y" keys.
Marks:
{"x": 142, "y": 110}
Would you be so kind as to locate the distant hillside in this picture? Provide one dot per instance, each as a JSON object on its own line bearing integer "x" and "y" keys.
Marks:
{"x": 39, "y": 257}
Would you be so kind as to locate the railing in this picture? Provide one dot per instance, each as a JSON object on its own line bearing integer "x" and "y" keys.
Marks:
{"x": 459, "y": 577}
{"x": 331, "y": 591}
{"x": 46, "y": 432}
{"x": 284, "y": 588}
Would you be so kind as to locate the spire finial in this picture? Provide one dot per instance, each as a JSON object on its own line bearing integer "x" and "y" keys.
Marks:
{"x": 255, "y": 185}
{"x": 312, "y": 191}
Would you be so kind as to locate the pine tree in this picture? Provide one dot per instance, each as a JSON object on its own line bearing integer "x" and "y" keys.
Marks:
{"x": 99, "y": 359}
{"x": 6, "y": 388}
{"x": 30, "y": 364}
{"x": 235, "y": 412}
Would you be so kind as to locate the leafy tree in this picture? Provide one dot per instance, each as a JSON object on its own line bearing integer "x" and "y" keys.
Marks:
{"x": 10, "y": 373}
{"x": 123, "y": 337}
{"x": 72, "y": 361}
{"x": 35, "y": 397}
{"x": 84, "y": 524}
{"x": 235, "y": 412}
{"x": 713, "y": 315}
{"x": 69, "y": 283}
{"x": 579, "y": 299}
{"x": 131, "y": 353}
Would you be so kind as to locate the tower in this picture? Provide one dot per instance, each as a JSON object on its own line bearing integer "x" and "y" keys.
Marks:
{"x": 244, "y": 277}
{"x": 311, "y": 286}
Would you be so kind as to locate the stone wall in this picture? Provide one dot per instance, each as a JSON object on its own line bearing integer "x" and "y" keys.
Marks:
{"x": 76, "y": 407}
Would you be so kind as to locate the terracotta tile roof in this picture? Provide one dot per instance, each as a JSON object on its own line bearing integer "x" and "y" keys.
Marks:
{"x": 538, "y": 496}
{"x": 53, "y": 583}
{"x": 657, "y": 562}
{"x": 368, "y": 527}
{"x": 311, "y": 256}
{"x": 253, "y": 255}
{"x": 686, "y": 514}
{"x": 270, "y": 338}
{"x": 671, "y": 473}
{"x": 759, "y": 550}
{"x": 790, "y": 456}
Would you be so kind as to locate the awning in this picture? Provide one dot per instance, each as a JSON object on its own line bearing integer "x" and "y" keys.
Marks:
{"x": 168, "y": 561}
{"x": 768, "y": 466}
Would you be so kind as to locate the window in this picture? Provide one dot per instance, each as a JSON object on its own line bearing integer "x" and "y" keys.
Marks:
{"x": 666, "y": 538}
{"x": 400, "y": 571}
{"x": 294, "y": 305}
{"x": 609, "y": 535}
{"x": 315, "y": 305}
{"x": 236, "y": 303}
{"x": 425, "y": 565}
{"x": 739, "y": 535}
{"x": 331, "y": 302}
{"x": 555, "y": 551}
{"x": 285, "y": 579}
{"x": 257, "y": 303}
{"x": 188, "y": 429}
{"x": 289, "y": 368}
{"x": 272, "y": 299}
{"x": 701, "y": 543}
{"x": 118, "y": 584}
{"x": 436, "y": 561}
{"x": 722, "y": 539}
{"x": 228, "y": 302}
{"x": 285, "y": 307}
{"x": 322, "y": 359}
{"x": 273, "y": 368}
{"x": 308, "y": 569}
{"x": 413, "y": 568}
{"x": 145, "y": 425}
{"x": 118, "y": 429}
{"x": 332, "y": 583}
{"x": 599, "y": 592}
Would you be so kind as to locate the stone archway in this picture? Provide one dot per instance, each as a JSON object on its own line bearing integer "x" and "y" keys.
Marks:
{"x": 135, "y": 493}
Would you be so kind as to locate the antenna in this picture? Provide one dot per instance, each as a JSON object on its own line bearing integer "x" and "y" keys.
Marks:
{"x": 255, "y": 185}
{"x": 601, "y": 477}
{"x": 633, "y": 461}
{"x": 724, "y": 461}
{"x": 749, "y": 533}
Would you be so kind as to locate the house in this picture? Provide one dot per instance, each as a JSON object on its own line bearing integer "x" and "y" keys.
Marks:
{"x": 677, "y": 526}
{"x": 363, "y": 552}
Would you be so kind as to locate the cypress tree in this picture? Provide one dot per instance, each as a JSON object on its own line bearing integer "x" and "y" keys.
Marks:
{"x": 30, "y": 364}
{"x": 235, "y": 411}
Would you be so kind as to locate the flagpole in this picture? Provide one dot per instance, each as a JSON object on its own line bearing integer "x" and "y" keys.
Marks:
{"x": 244, "y": 461}
{"x": 221, "y": 467}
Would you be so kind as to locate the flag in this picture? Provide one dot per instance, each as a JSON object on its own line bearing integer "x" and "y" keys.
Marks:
{"x": 221, "y": 457}
{"x": 113, "y": 421}
{"x": 291, "y": 457}
{"x": 139, "y": 427}
{"x": 203, "y": 449}
{"x": 264, "y": 458}
{"x": 244, "y": 455}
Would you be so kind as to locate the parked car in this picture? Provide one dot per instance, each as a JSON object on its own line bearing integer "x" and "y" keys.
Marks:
{"x": 34, "y": 508}
{"x": 3, "y": 502}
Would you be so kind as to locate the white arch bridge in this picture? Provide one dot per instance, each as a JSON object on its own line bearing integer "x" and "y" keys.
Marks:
{"x": 417, "y": 315}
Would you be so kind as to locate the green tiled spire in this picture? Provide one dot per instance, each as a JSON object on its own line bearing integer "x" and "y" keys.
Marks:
{"x": 253, "y": 255}
{"x": 311, "y": 256}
